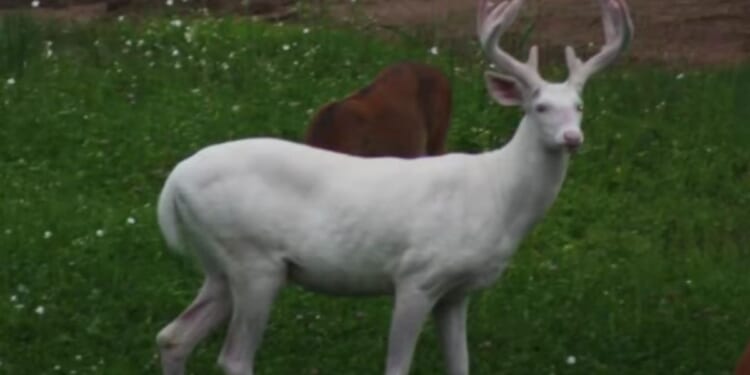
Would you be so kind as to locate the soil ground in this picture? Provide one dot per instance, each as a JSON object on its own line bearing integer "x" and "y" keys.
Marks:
{"x": 693, "y": 32}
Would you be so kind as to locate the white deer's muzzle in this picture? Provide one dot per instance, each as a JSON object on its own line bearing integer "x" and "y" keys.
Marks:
{"x": 572, "y": 139}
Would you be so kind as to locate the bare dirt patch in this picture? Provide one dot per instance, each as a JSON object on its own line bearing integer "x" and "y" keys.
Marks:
{"x": 692, "y": 32}
{"x": 695, "y": 32}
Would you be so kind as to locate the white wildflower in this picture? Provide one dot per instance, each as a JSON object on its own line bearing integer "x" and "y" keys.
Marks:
{"x": 285, "y": 47}
{"x": 100, "y": 232}
{"x": 434, "y": 50}
{"x": 176, "y": 23}
{"x": 680, "y": 76}
{"x": 39, "y": 310}
{"x": 35, "y": 4}
{"x": 47, "y": 234}
{"x": 235, "y": 108}
{"x": 170, "y": 3}
{"x": 571, "y": 360}
{"x": 130, "y": 220}
{"x": 11, "y": 81}
{"x": 120, "y": 18}
{"x": 306, "y": 30}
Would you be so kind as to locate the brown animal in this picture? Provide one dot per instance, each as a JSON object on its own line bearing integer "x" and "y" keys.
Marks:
{"x": 743, "y": 365}
{"x": 405, "y": 112}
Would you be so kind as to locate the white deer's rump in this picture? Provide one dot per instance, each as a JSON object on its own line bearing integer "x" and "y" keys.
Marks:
{"x": 336, "y": 232}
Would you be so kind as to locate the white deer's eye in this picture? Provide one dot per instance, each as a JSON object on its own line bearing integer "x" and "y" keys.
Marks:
{"x": 541, "y": 108}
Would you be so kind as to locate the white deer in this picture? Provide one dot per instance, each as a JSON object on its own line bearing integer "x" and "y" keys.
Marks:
{"x": 257, "y": 213}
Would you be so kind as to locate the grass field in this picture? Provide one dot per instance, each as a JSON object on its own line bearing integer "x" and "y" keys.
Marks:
{"x": 641, "y": 267}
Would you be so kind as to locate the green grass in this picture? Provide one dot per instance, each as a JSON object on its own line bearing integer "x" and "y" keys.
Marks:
{"x": 641, "y": 267}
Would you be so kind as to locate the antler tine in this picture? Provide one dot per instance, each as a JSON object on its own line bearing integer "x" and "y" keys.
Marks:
{"x": 533, "y": 60}
{"x": 618, "y": 32}
{"x": 481, "y": 16}
{"x": 487, "y": 10}
{"x": 492, "y": 22}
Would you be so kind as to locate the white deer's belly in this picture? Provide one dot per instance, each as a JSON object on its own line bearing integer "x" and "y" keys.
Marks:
{"x": 336, "y": 281}
{"x": 343, "y": 270}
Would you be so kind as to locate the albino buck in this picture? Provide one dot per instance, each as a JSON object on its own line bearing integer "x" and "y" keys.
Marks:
{"x": 405, "y": 112}
{"x": 258, "y": 213}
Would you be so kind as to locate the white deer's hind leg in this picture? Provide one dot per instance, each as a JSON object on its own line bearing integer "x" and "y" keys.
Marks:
{"x": 450, "y": 319}
{"x": 178, "y": 339}
{"x": 253, "y": 292}
{"x": 409, "y": 314}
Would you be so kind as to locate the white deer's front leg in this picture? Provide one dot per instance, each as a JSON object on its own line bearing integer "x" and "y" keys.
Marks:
{"x": 409, "y": 314}
{"x": 450, "y": 319}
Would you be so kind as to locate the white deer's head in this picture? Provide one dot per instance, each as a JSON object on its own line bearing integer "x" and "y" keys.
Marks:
{"x": 556, "y": 108}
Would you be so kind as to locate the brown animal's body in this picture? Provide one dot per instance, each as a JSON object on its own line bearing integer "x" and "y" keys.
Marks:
{"x": 743, "y": 365}
{"x": 405, "y": 112}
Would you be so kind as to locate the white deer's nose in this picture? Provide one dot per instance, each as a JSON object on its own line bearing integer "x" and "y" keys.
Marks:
{"x": 573, "y": 139}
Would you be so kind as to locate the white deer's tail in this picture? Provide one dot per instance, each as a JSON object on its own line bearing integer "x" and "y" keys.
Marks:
{"x": 169, "y": 217}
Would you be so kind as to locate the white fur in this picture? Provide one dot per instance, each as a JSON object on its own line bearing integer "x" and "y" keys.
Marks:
{"x": 350, "y": 225}
{"x": 434, "y": 228}
{"x": 259, "y": 213}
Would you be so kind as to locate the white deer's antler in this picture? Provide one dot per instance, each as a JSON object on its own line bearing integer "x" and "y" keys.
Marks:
{"x": 618, "y": 32}
{"x": 492, "y": 22}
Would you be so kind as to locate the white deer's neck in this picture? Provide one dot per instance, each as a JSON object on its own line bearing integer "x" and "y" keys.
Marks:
{"x": 528, "y": 176}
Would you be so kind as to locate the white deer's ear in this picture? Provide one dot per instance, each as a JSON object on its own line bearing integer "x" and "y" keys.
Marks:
{"x": 504, "y": 89}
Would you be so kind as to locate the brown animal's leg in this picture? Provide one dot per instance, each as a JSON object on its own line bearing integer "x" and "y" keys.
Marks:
{"x": 438, "y": 134}
{"x": 743, "y": 365}
{"x": 434, "y": 100}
